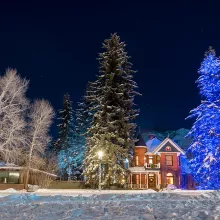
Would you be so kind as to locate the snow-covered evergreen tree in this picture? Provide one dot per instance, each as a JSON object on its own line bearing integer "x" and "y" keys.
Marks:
{"x": 67, "y": 142}
{"x": 112, "y": 129}
{"x": 65, "y": 128}
{"x": 67, "y": 161}
{"x": 55, "y": 146}
{"x": 205, "y": 148}
{"x": 84, "y": 115}
{"x": 83, "y": 121}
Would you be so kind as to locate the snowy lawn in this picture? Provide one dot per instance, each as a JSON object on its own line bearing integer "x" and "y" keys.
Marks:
{"x": 118, "y": 204}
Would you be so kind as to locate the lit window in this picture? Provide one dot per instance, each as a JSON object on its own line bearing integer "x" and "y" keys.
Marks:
{"x": 169, "y": 160}
{"x": 13, "y": 177}
{"x": 136, "y": 158}
{"x": 158, "y": 159}
{"x": 150, "y": 159}
{"x": 137, "y": 179}
{"x": 159, "y": 178}
{"x": 169, "y": 178}
{"x": 168, "y": 148}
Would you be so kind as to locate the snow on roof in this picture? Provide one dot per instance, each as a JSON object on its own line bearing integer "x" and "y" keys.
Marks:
{"x": 3, "y": 164}
{"x": 152, "y": 144}
{"x": 172, "y": 142}
{"x": 184, "y": 162}
{"x": 152, "y": 141}
{"x": 11, "y": 166}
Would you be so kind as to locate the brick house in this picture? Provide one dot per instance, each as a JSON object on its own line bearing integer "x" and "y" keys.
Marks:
{"x": 159, "y": 163}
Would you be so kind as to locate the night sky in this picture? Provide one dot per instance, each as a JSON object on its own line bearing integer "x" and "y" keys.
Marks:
{"x": 55, "y": 45}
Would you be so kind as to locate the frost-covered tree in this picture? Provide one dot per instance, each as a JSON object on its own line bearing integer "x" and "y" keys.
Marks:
{"x": 68, "y": 141}
{"x": 13, "y": 107}
{"x": 40, "y": 120}
{"x": 23, "y": 128}
{"x": 56, "y": 146}
{"x": 67, "y": 161}
{"x": 112, "y": 129}
{"x": 65, "y": 128}
{"x": 84, "y": 115}
{"x": 205, "y": 148}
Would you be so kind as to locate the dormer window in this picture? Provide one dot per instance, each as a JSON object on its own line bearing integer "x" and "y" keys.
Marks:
{"x": 150, "y": 159}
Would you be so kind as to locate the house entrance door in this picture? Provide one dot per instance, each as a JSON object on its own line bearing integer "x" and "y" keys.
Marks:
{"x": 151, "y": 181}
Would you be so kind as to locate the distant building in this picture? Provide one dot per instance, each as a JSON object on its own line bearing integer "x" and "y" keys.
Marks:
{"x": 158, "y": 163}
{"x": 13, "y": 176}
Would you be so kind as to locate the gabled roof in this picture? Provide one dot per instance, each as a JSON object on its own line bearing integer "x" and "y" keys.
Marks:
{"x": 166, "y": 141}
{"x": 152, "y": 144}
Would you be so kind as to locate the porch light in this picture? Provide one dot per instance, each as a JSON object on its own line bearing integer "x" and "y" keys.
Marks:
{"x": 100, "y": 154}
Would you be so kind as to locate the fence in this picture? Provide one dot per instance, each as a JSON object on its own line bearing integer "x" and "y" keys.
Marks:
{"x": 66, "y": 185}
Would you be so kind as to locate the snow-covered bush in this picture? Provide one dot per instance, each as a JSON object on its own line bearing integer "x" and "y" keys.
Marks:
{"x": 171, "y": 187}
{"x": 32, "y": 188}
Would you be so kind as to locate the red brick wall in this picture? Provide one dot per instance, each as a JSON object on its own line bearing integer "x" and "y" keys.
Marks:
{"x": 140, "y": 152}
{"x": 190, "y": 182}
{"x": 174, "y": 169}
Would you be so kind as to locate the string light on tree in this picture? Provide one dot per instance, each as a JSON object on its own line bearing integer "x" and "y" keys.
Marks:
{"x": 205, "y": 147}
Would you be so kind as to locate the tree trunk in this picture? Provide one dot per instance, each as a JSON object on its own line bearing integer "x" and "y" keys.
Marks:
{"x": 69, "y": 173}
{"x": 28, "y": 167}
{"x": 27, "y": 178}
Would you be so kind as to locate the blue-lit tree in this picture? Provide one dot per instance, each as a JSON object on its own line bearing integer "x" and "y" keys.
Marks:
{"x": 67, "y": 161}
{"x": 205, "y": 148}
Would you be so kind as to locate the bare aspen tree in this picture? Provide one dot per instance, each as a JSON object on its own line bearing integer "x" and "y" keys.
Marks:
{"x": 13, "y": 107}
{"x": 41, "y": 115}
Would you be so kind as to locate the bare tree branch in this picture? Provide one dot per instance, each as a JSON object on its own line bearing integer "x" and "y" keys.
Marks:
{"x": 41, "y": 115}
{"x": 13, "y": 107}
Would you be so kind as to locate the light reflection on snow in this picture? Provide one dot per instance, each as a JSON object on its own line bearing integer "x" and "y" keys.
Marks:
{"x": 118, "y": 204}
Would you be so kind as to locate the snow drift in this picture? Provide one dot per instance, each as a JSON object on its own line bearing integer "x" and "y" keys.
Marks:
{"x": 112, "y": 206}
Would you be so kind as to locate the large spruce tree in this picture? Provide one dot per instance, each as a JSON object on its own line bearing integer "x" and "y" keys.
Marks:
{"x": 112, "y": 102}
{"x": 205, "y": 148}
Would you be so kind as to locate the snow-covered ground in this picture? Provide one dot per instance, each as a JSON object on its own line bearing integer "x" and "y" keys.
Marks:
{"x": 118, "y": 204}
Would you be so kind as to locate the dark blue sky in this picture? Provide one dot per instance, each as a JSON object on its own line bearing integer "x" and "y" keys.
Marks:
{"x": 55, "y": 45}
